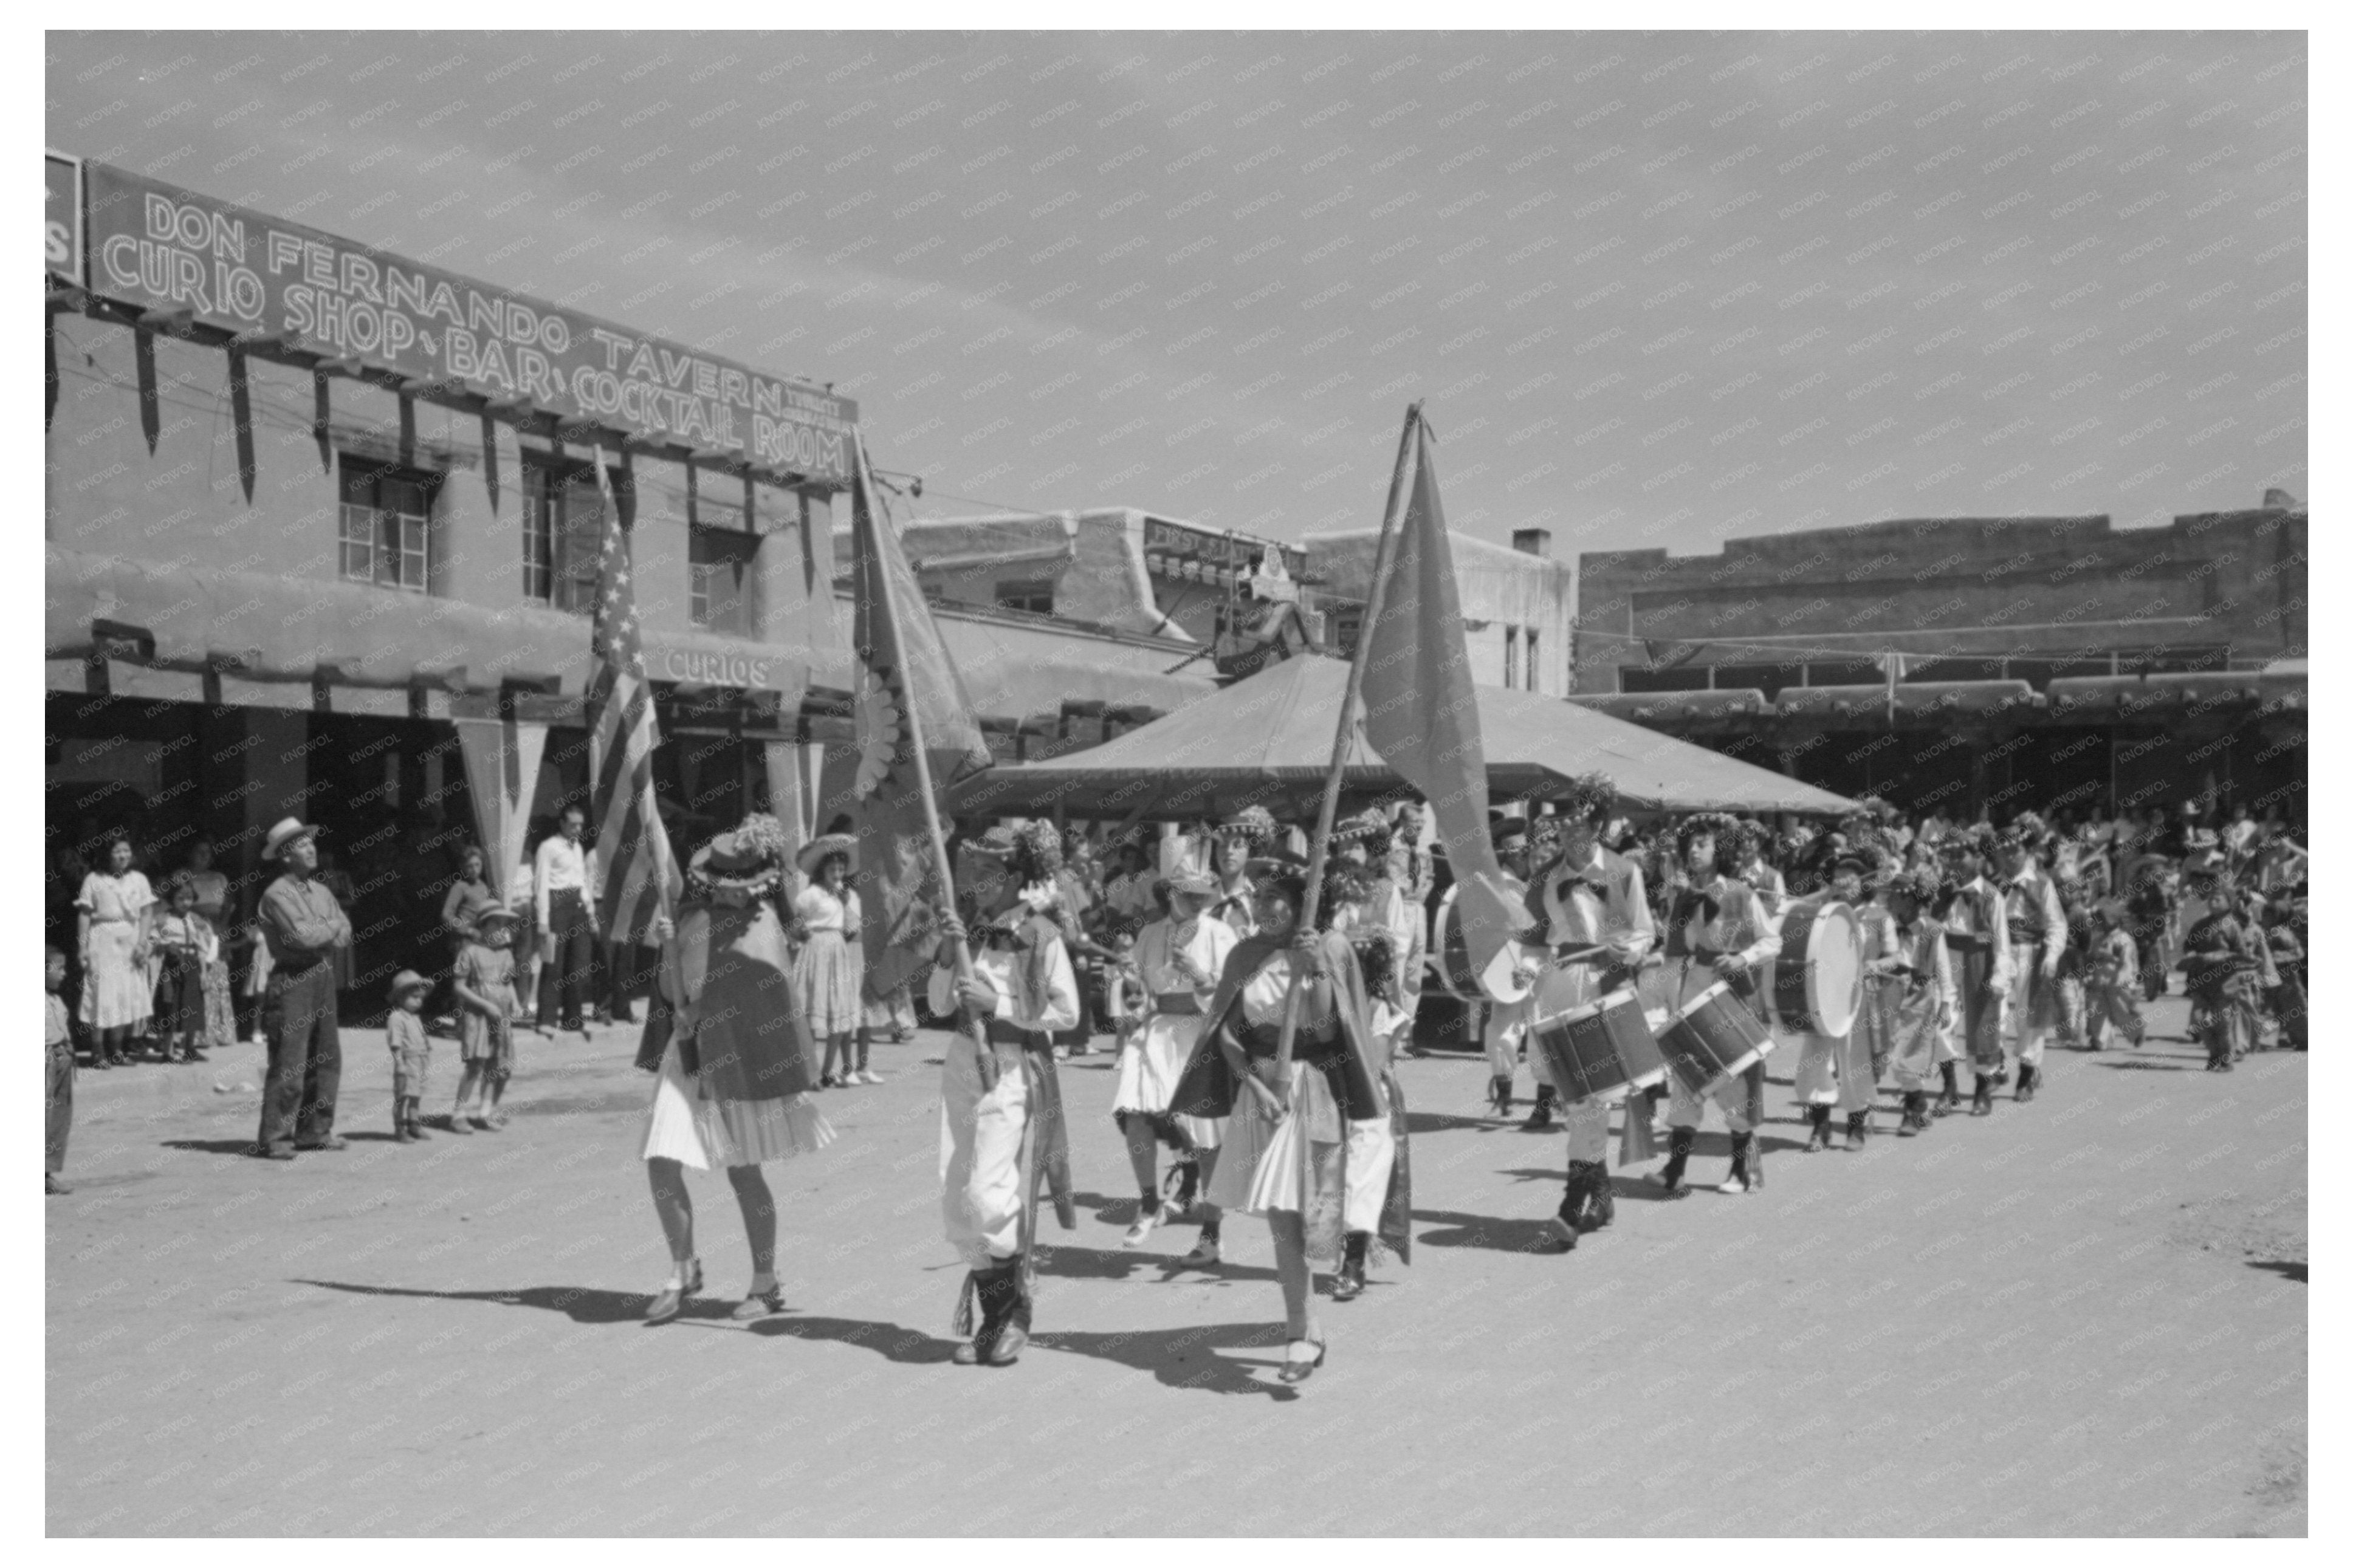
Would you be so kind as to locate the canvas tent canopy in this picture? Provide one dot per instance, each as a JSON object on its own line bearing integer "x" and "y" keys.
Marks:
{"x": 1268, "y": 740}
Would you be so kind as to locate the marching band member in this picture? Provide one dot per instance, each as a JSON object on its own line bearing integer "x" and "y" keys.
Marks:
{"x": 1246, "y": 833}
{"x": 1914, "y": 965}
{"x": 2038, "y": 936}
{"x": 1835, "y": 1070}
{"x": 1179, "y": 959}
{"x": 1505, "y": 1030}
{"x": 1976, "y": 934}
{"x": 1715, "y": 931}
{"x": 1287, "y": 1143}
{"x": 1598, "y": 923}
{"x": 1021, "y": 988}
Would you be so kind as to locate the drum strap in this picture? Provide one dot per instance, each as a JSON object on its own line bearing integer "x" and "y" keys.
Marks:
{"x": 1182, "y": 1004}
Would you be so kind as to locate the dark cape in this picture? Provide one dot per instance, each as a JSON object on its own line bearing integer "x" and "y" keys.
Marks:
{"x": 729, "y": 965}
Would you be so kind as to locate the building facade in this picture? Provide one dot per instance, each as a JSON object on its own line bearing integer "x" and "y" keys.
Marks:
{"x": 1518, "y": 603}
{"x": 1975, "y": 662}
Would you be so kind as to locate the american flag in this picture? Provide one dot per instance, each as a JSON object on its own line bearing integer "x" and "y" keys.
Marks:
{"x": 635, "y": 875}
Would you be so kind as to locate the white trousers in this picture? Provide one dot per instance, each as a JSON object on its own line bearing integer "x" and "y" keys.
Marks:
{"x": 980, "y": 1156}
{"x": 1834, "y": 1069}
{"x": 2026, "y": 1010}
{"x": 1685, "y": 1108}
{"x": 1507, "y": 1027}
{"x": 1372, "y": 1155}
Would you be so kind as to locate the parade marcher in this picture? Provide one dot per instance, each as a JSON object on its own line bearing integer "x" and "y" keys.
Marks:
{"x": 1021, "y": 988}
{"x": 1914, "y": 965}
{"x": 1597, "y": 921}
{"x": 828, "y": 974}
{"x": 562, "y": 879}
{"x": 1505, "y": 1030}
{"x": 2288, "y": 997}
{"x": 2219, "y": 965}
{"x": 1834, "y": 1071}
{"x": 1377, "y": 1200}
{"x": 1178, "y": 958}
{"x": 1377, "y": 899}
{"x": 1977, "y": 936}
{"x": 59, "y": 1074}
{"x": 1875, "y": 1014}
{"x": 734, "y": 1064}
{"x": 1242, "y": 837}
{"x": 412, "y": 1051}
{"x": 2150, "y": 906}
{"x": 305, "y": 928}
{"x": 1287, "y": 1144}
{"x": 2112, "y": 979}
{"x": 2038, "y": 936}
{"x": 116, "y": 912}
{"x": 1715, "y": 929}
{"x": 483, "y": 983}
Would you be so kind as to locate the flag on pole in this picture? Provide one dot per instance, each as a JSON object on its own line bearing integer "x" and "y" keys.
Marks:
{"x": 1420, "y": 713}
{"x": 903, "y": 673}
{"x": 636, "y": 876}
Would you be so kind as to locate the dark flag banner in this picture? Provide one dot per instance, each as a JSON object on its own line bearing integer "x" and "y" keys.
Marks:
{"x": 903, "y": 670}
{"x": 1420, "y": 713}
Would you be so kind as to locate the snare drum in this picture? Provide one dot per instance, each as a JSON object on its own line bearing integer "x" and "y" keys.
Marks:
{"x": 1715, "y": 1037}
{"x": 1818, "y": 979}
{"x": 1600, "y": 1051}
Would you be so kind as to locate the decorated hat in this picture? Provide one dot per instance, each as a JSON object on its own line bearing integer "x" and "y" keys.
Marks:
{"x": 1276, "y": 860}
{"x": 1191, "y": 884}
{"x": 404, "y": 982}
{"x": 2024, "y": 831}
{"x": 1254, "y": 822}
{"x": 1507, "y": 833}
{"x": 816, "y": 851}
{"x": 742, "y": 853}
{"x": 1918, "y": 882}
{"x": 1367, "y": 827}
{"x": 290, "y": 830}
{"x": 1592, "y": 796}
{"x": 1719, "y": 825}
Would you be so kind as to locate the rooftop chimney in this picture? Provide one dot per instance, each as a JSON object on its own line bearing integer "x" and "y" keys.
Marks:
{"x": 1533, "y": 541}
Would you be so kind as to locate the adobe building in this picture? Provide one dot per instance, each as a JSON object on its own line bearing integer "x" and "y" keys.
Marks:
{"x": 1976, "y": 663}
{"x": 1518, "y": 603}
{"x": 321, "y": 529}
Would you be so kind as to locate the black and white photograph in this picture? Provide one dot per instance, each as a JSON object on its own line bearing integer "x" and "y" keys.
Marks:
{"x": 1316, "y": 783}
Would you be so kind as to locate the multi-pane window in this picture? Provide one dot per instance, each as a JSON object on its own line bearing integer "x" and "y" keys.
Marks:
{"x": 1511, "y": 655}
{"x": 1535, "y": 675}
{"x": 1036, "y": 597}
{"x": 562, "y": 530}
{"x": 385, "y": 525}
{"x": 719, "y": 576}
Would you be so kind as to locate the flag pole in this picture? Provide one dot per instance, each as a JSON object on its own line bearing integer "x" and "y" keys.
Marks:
{"x": 924, "y": 785}
{"x": 1400, "y": 498}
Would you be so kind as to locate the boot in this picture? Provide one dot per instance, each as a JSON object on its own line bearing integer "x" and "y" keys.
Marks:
{"x": 993, "y": 1288}
{"x": 1351, "y": 1282}
{"x": 416, "y": 1122}
{"x": 1541, "y": 1117}
{"x": 1498, "y": 1094}
{"x": 1601, "y": 1198}
{"x": 2027, "y": 1075}
{"x": 1013, "y": 1334}
{"x": 1856, "y": 1123}
{"x": 1820, "y": 1137}
{"x": 1915, "y": 1113}
{"x": 1948, "y": 1099}
{"x": 1737, "y": 1182}
{"x": 1679, "y": 1147}
{"x": 1981, "y": 1103}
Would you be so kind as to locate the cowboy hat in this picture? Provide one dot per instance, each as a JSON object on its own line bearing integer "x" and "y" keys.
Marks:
{"x": 407, "y": 980}
{"x": 1192, "y": 884}
{"x": 289, "y": 830}
{"x": 814, "y": 852}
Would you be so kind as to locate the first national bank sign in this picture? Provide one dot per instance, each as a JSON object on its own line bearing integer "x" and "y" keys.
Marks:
{"x": 158, "y": 247}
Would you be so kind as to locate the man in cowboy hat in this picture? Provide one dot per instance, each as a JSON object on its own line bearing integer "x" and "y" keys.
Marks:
{"x": 303, "y": 926}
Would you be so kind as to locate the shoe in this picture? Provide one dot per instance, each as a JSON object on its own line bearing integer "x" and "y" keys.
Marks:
{"x": 1561, "y": 1234}
{"x": 2026, "y": 1079}
{"x": 1145, "y": 1220}
{"x": 828, "y": 1081}
{"x": 458, "y": 1123}
{"x": 1498, "y": 1094}
{"x": 401, "y": 1134}
{"x": 1820, "y": 1139}
{"x": 1296, "y": 1371}
{"x": 764, "y": 1304}
{"x": 1981, "y": 1103}
{"x": 1737, "y": 1182}
{"x": 416, "y": 1129}
{"x": 1350, "y": 1283}
{"x": 496, "y": 1121}
{"x": 99, "y": 1064}
{"x": 1855, "y": 1126}
{"x": 1204, "y": 1255}
{"x": 327, "y": 1145}
{"x": 672, "y": 1299}
{"x": 1539, "y": 1120}
{"x": 269, "y": 1152}
{"x": 53, "y": 1188}
{"x": 1013, "y": 1338}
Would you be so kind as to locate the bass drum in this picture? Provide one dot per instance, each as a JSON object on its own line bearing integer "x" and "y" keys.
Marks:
{"x": 1458, "y": 976}
{"x": 1817, "y": 978}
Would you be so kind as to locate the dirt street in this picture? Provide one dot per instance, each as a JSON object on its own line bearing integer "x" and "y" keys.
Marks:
{"x": 2085, "y": 1316}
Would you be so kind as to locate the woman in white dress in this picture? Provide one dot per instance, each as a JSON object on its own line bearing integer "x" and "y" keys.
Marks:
{"x": 828, "y": 976}
{"x": 735, "y": 1067}
{"x": 1287, "y": 1138}
{"x": 115, "y": 911}
{"x": 1178, "y": 958}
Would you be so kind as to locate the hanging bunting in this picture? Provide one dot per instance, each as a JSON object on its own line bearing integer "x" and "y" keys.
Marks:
{"x": 318, "y": 411}
{"x": 491, "y": 459}
{"x": 49, "y": 365}
{"x": 150, "y": 398}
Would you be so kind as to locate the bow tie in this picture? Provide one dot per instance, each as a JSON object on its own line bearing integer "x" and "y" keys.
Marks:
{"x": 1585, "y": 880}
{"x": 1691, "y": 899}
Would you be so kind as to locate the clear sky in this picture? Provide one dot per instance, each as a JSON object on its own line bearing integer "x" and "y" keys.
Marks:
{"x": 1656, "y": 291}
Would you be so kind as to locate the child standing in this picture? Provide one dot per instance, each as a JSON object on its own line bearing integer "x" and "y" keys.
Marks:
{"x": 412, "y": 1052}
{"x": 484, "y": 984}
{"x": 2112, "y": 996}
{"x": 59, "y": 1046}
{"x": 185, "y": 947}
